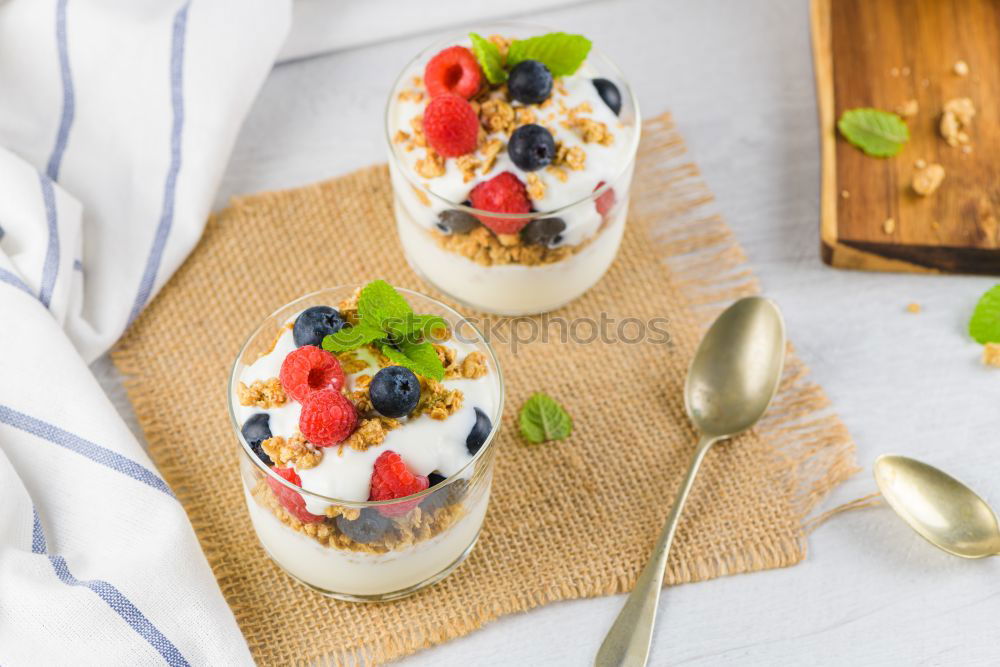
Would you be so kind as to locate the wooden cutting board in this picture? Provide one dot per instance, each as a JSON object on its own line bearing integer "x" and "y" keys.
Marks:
{"x": 884, "y": 53}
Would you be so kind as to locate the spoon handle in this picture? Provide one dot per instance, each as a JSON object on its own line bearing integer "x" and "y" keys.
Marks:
{"x": 628, "y": 640}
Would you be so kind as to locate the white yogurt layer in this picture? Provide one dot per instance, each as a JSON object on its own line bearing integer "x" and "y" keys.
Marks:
{"x": 426, "y": 445}
{"x": 603, "y": 163}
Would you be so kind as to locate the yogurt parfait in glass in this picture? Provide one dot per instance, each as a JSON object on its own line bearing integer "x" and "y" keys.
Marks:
{"x": 511, "y": 152}
{"x": 365, "y": 420}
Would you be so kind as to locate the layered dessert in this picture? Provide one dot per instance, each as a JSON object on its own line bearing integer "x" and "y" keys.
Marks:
{"x": 365, "y": 426}
{"x": 511, "y": 158}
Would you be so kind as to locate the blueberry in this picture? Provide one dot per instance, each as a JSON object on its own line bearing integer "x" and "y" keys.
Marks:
{"x": 530, "y": 82}
{"x": 480, "y": 431}
{"x": 256, "y": 430}
{"x": 448, "y": 495}
{"x": 543, "y": 231}
{"x": 454, "y": 221}
{"x": 435, "y": 478}
{"x": 609, "y": 93}
{"x": 368, "y": 527}
{"x": 394, "y": 391}
{"x": 531, "y": 147}
{"x": 315, "y": 323}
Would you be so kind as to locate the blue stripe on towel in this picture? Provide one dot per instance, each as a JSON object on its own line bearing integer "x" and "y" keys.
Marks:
{"x": 92, "y": 451}
{"x": 13, "y": 279}
{"x": 50, "y": 269}
{"x": 170, "y": 189}
{"x": 69, "y": 99}
{"x": 111, "y": 596}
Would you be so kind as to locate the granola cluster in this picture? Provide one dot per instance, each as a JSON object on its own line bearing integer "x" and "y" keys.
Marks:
{"x": 423, "y": 522}
{"x": 262, "y": 393}
{"x": 488, "y": 249}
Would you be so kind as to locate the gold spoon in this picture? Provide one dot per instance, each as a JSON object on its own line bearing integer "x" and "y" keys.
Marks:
{"x": 733, "y": 377}
{"x": 945, "y": 512}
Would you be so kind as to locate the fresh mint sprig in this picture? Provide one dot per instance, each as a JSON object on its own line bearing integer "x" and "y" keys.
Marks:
{"x": 489, "y": 58}
{"x": 386, "y": 320}
{"x": 562, "y": 53}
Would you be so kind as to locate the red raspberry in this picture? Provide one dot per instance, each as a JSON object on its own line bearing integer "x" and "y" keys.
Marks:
{"x": 291, "y": 499}
{"x": 392, "y": 479}
{"x": 504, "y": 193}
{"x": 327, "y": 418}
{"x": 606, "y": 201}
{"x": 454, "y": 70}
{"x": 309, "y": 369}
{"x": 451, "y": 126}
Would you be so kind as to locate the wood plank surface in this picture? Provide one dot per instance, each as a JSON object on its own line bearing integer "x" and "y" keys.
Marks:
{"x": 884, "y": 54}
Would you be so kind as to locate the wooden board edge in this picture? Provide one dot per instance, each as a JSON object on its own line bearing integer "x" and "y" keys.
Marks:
{"x": 822, "y": 49}
{"x": 842, "y": 256}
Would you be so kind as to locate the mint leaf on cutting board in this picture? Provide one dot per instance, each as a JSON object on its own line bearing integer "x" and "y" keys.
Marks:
{"x": 878, "y": 133}
{"x": 543, "y": 419}
{"x": 984, "y": 326}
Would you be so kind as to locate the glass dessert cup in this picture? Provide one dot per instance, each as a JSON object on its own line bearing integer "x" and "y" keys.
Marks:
{"x": 429, "y": 533}
{"x": 481, "y": 278}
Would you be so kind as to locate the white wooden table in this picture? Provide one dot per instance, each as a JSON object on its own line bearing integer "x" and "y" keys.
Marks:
{"x": 737, "y": 76}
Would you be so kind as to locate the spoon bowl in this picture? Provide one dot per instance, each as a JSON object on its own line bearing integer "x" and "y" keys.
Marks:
{"x": 737, "y": 368}
{"x": 945, "y": 512}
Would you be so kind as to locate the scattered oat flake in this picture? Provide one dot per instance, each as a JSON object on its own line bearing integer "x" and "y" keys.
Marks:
{"x": 913, "y": 307}
{"x": 920, "y": 164}
{"x": 908, "y": 109}
{"x": 991, "y": 354}
{"x": 845, "y": 194}
{"x": 894, "y": 71}
{"x": 927, "y": 180}
{"x": 956, "y": 119}
{"x": 905, "y": 71}
{"x": 961, "y": 68}
{"x": 889, "y": 226}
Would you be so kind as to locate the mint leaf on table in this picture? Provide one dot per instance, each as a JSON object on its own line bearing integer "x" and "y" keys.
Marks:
{"x": 488, "y": 56}
{"x": 560, "y": 52}
{"x": 984, "y": 326}
{"x": 421, "y": 358}
{"x": 878, "y": 133}
{"x": 351, "y": 338}
{"x": 543, "y": 419}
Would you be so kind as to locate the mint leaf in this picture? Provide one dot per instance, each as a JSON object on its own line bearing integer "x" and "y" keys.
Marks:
{"x": 561, "y": 53}
{"x": 351, "y": 338}
{"x": 984, "y": 326}
{"x": 489, "y": 58}
{"x": 380, "y": 303}
{"x": 877, "y": 133}
{"x": 421, "y": 358}
{"x": 542, "y": 419}
{"x": 426, "y": 326}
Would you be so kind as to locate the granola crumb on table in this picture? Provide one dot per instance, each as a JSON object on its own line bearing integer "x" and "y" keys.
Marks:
{"x": 991, "y": 354}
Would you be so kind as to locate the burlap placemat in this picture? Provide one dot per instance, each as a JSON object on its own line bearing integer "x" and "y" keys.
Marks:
{"x": 567, "y": 520}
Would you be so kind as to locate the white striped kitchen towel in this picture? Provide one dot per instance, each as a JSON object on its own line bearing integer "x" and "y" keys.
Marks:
{"x": 116, "y": 122}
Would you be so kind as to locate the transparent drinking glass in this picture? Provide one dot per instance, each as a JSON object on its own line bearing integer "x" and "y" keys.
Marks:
{"x": 426, "y": 535}
{"x": 486, "y": 279}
